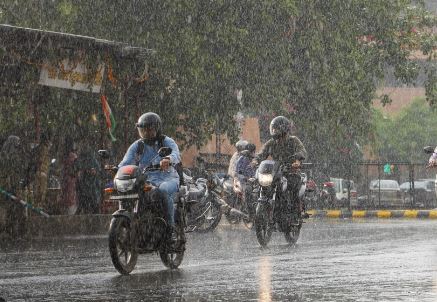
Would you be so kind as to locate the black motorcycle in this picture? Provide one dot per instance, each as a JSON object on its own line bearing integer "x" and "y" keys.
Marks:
{"x": 204, "y": 207}
{"x": 139, "y": 225}
{"x": 274, "y": 208}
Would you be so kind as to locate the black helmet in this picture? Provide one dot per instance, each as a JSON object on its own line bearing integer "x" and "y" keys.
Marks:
{"x": 280, "y": 126}
{"x": 250, "y": 147}
{"x": 240, "y": 145}
{"x": 149, "y": 120}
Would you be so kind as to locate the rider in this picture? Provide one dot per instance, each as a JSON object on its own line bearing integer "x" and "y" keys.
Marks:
{"x": 149, "y": 127}
{"x": 240, "y": 145}
{"x": 287, "y": 149}
{"x": 243, "y": 166}
{"x": 244, "y": 171}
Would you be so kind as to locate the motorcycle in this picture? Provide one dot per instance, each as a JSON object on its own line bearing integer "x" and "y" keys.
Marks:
{"x": 274, "y": 209}
{"x": 139, "y": 225}
{"x": 246, "y": 191}
{"x": 328, "y": 196}
{"x": 204, "y": 208}
{"x": 311, "y": 196}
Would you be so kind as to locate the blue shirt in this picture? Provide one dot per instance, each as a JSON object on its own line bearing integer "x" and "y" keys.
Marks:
{"x": 150, "y": 157}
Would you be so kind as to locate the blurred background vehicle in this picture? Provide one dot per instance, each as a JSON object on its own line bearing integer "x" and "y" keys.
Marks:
{"x": 424, "y": 193}
{"x": 341, "y": 187}
{"x": 385, "y": 193}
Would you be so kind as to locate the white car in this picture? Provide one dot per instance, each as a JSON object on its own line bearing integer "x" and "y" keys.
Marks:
{"x": 341, "y": 191}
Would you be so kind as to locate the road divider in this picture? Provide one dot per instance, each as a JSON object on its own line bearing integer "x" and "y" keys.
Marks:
{"x": 383, "y": 214}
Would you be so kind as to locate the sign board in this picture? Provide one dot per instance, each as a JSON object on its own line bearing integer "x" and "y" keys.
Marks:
{"x": 69, "y": 75}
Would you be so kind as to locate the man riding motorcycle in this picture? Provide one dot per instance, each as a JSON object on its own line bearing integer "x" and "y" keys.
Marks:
{"x": 144, "y": 150}
{"x": 286, "y": 149}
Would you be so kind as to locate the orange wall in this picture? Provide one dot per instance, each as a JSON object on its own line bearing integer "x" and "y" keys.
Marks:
{"x": 249, "y": 131}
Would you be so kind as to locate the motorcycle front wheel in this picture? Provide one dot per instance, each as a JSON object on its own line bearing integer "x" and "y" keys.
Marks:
{"x": 121, "y": 248}
{"x": 292, "y": 235}
{"x": 212, "y": 214}
{"x": 263, "y": 228}
{"x": 172, "y": 256}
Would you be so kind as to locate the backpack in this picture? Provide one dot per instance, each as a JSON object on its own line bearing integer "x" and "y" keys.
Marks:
{"x": 178, "y": 167}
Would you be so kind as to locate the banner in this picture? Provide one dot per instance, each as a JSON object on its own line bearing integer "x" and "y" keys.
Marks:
{"x": 71, "y": 75}
{"x": 110, "y": 120}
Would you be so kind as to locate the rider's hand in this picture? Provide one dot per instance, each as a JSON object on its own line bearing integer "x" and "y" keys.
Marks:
{"x": 254, "y": 163}
{"x": 296, "y": 164}
{"x": 431, "y": 163}
{"x": 165, "y": 164}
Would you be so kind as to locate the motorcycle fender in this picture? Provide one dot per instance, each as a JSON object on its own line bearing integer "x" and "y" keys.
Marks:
{"x": 284, "y": 184}
{"x": 122, "y": 213}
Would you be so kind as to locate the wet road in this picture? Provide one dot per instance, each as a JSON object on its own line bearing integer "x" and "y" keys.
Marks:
{"x": 335, "y": 260}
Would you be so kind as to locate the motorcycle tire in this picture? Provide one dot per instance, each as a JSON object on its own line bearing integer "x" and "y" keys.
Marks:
{"x": 263, "y": 228}
{"x": 212, "y": 219}
{"x": 172, "y": 257}
{"x": 122, "y": 250}
{"x": 292, "y": 235}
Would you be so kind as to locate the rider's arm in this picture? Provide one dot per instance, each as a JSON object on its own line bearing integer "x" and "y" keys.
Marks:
{"x": 175, "y": 156}
{"x": 129, "y": 157}
{"x": 301, "y": 152}
{"x": 264, "y": 152}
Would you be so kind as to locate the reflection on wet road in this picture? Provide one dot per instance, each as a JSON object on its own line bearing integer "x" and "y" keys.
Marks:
{"x": 335, "y": 260}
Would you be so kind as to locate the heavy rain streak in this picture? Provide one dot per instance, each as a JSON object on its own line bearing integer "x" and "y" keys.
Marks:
{"x": 218, "y": 150}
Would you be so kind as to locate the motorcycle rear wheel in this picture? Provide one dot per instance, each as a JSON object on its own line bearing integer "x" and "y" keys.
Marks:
{"x": 172, "y": 257}
{"x": 292, "y": 235}
{"x": 263, "y": 229}
{"x": 121, "y": 248}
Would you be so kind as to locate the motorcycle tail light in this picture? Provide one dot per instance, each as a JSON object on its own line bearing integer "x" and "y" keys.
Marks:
{"x": 147, "y": 188}
{"x": 109, "y": 190}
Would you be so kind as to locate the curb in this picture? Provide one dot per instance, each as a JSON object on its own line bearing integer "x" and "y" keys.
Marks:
{"x": 421, "y": 214}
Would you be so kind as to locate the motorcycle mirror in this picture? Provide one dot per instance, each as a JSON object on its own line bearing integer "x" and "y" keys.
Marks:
{"x": 104, "y": 154}
{"x": 164, "y": 151}
{"x": 428, "y": 149}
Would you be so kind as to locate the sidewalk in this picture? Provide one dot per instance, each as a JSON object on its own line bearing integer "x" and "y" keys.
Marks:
{"x": 63, "y": 225}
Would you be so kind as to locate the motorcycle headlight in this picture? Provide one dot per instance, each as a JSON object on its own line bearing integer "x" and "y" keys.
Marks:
{"x": 265, "y": 180}
{"x": 124, "y": 185}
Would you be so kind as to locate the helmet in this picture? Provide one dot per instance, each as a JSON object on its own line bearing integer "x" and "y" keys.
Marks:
{"x": 240, "y": 145}
{"x": 280, "y": 126}
{"x": 250, "y": 147}
{"x": 149, "y": 120}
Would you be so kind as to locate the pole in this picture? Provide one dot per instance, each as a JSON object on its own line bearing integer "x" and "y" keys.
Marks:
{"x": 24, "y": 203}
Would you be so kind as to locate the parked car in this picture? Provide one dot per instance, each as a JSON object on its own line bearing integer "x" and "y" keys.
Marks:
{"x": 424, "y": 193}
{"x": 386, "y": 193}
{"x": 341, "y": 191}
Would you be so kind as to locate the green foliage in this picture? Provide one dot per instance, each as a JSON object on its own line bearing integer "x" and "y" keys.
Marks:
{"x": 403, "y": 137}
{"x": 317, "y": 61}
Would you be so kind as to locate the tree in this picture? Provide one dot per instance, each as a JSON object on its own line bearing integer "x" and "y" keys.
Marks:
{"x": 318, "y": 62}
{"x": 402, "y": 138}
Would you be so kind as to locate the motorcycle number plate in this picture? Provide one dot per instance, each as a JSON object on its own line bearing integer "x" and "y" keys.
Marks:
{"x": 118, "y": 197}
